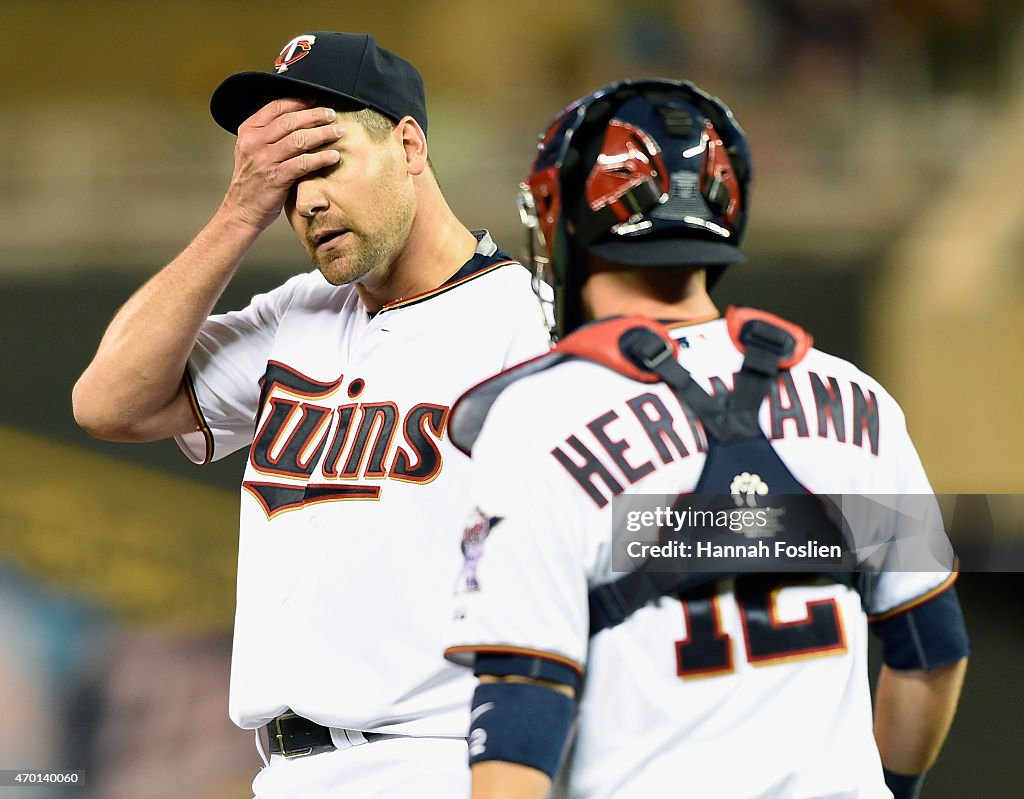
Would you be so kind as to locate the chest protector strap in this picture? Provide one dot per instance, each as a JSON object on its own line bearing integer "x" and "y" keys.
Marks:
{"x": 735, "y": 444}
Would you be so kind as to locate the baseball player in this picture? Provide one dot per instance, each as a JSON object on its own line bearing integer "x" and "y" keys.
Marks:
{"x": 723, "y": 681}
{"x": 339, "y": 382}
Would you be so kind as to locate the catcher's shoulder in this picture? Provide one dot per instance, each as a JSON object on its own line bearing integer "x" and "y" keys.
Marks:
{"x": 579, "y": 372}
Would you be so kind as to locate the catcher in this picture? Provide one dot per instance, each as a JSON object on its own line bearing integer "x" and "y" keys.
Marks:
{"x": 727, "y": 680}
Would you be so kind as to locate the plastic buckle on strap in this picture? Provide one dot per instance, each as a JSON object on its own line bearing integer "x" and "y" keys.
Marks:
{"x": 660, "y": 358}
{"x": 766, "y": 337}
{"x": 645, "y": 348}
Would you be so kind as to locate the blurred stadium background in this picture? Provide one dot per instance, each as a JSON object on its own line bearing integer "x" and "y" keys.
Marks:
{"x": 888, "y": 218}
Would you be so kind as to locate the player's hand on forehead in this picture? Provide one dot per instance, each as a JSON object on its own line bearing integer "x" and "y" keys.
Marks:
{"x": 283, "y": 141}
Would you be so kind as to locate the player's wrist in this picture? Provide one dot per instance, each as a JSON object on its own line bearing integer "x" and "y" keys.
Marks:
{"x": 903, "y": 786}
{"x": 247, "y": 221}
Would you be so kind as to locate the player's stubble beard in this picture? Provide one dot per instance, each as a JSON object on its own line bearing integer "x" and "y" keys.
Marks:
{"x": 368, "y": 251}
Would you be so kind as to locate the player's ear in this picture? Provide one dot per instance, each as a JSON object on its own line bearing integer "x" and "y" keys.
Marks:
{"x": 414, "y": 143}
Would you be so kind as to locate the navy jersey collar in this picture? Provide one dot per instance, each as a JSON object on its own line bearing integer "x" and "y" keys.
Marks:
{"x": 486, "y": 258}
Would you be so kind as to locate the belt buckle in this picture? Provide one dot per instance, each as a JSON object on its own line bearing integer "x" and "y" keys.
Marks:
{"x": 279, "y": 735}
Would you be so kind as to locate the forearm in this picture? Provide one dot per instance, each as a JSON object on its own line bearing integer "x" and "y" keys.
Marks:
{"x": 501, "y": 777}
{"x": 913, "y": 714}
{"x": 132, "y": 388}
{"x": 496, "y": 779}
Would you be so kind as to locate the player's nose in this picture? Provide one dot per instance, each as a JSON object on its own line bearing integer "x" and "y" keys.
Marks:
{"x": 310, "y": 197}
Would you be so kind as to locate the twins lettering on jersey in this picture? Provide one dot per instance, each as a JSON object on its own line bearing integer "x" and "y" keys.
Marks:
{"x": 850, "y": 419}
{"x": 315, "y": 450}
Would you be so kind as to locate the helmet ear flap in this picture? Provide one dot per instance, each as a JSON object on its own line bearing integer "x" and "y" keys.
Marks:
{"x": 567, "y": 274}
{"x": 551, "y": 247}
{"x": 564, "y": 246}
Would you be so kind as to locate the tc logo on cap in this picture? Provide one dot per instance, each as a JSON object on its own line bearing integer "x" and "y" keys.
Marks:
{"x": 297, "y": 48}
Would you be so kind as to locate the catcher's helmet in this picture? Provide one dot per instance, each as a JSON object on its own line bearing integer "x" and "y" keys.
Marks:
{"x": 642, "y": 173}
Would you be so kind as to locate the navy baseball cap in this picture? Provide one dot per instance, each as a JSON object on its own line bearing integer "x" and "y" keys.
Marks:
{"x": 346, "y": 67}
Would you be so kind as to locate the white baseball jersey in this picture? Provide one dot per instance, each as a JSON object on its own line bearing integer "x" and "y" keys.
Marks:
{"x": 353, "y": 497}
{"x": 748, "y": 693}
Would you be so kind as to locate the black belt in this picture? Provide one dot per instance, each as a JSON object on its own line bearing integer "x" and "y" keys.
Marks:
{"x": 295, "y": 736}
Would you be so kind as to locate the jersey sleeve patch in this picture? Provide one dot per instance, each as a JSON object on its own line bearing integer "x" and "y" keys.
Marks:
{"x": 474, "y": 534}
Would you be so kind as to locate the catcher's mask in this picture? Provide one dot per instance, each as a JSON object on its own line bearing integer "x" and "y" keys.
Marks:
{"x": 646, "y": 173}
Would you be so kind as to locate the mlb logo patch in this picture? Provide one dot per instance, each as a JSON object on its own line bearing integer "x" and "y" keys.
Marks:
{"x": 478, "y": 527}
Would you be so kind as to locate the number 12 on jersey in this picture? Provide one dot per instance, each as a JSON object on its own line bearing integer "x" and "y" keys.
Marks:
{"x": 708, "y": 651}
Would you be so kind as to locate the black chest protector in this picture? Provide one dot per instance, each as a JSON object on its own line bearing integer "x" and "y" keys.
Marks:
{"x": 736, "y": 446}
